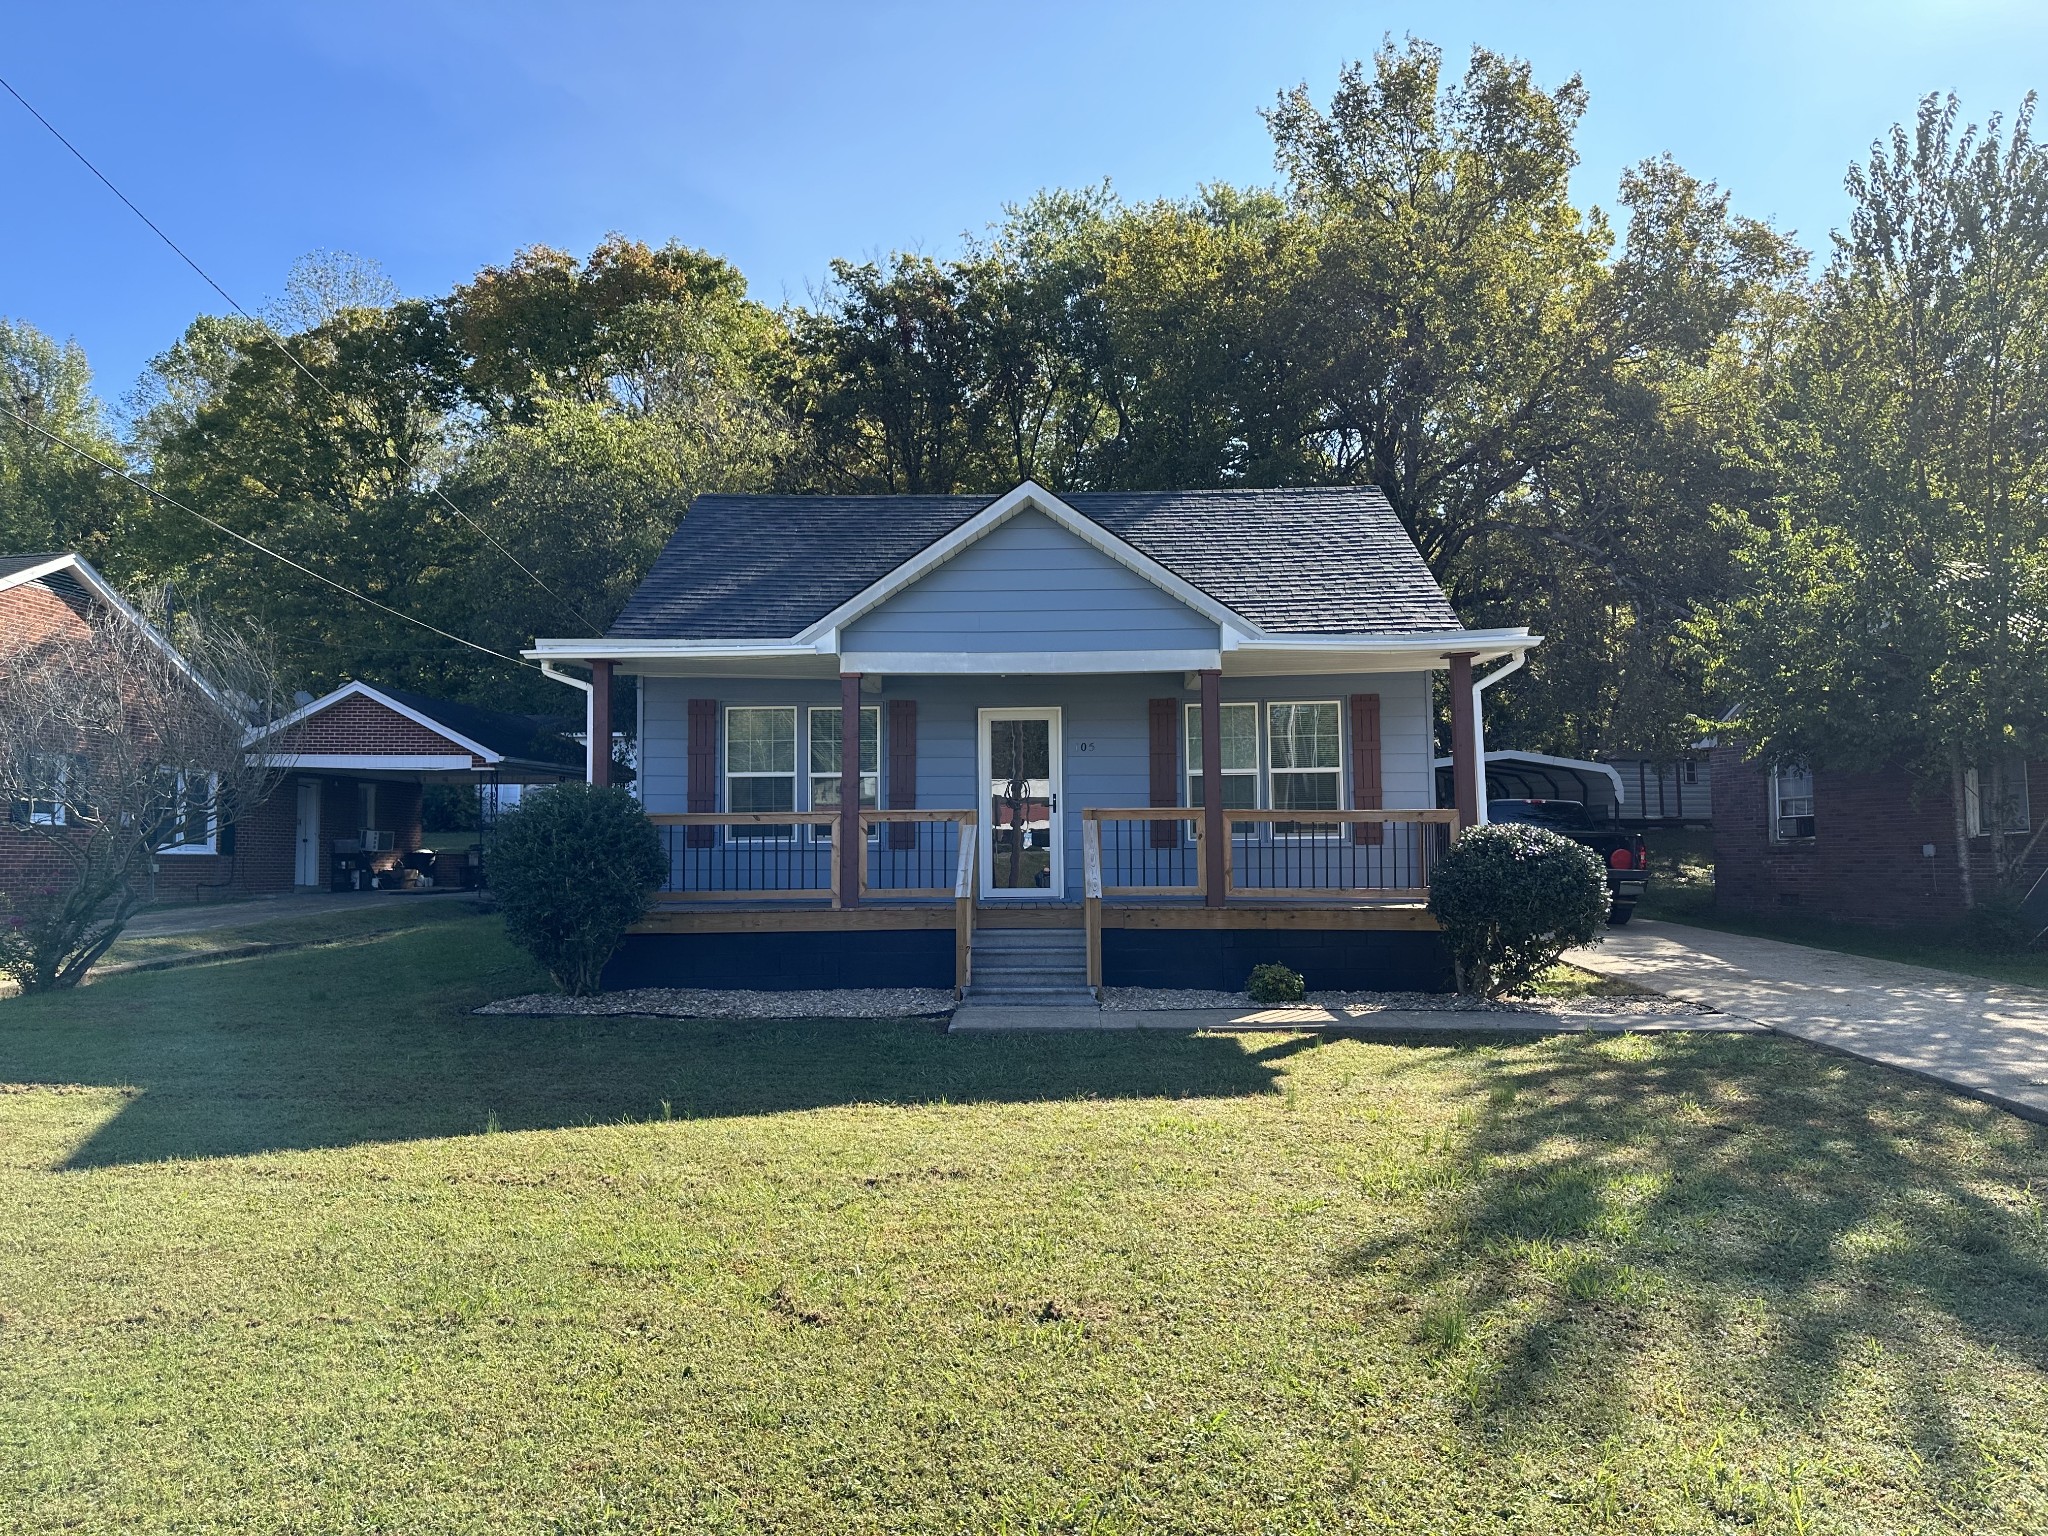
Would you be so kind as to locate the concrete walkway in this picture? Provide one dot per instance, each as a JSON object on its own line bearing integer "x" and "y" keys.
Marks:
{"x": 1983, "y": 1037}
{"x": 971, "y": 1017}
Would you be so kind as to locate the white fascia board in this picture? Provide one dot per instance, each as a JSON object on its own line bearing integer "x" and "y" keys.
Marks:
{"x": 1032, "y": 663}
{"x": 49, "y": 567}
{"x": 1576, "y": 764}
{"x": 1028, "y": 496}
{"x": 587, "y": 651}
{"x": 369, "y": 762}
{"x": 359, "y": 689}
{"x": 1444, "y": 643}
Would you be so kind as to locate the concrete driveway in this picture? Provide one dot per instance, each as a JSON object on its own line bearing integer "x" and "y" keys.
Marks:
{"x": 1986, "y": 1038}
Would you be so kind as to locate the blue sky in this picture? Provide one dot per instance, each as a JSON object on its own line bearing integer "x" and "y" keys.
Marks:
{"x": 439, "y": 137}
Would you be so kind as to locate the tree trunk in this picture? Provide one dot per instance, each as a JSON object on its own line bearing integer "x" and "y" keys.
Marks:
{"x": 1962, "y": 829}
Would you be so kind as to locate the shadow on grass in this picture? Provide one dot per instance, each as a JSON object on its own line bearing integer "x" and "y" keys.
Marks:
{"x": 375, "y": 1042}
{"x": 1801, "y": 1222}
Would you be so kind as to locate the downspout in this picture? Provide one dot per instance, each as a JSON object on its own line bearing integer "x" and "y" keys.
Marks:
{"x": 589, "y": 705}
{"x": 1479, "y": 688}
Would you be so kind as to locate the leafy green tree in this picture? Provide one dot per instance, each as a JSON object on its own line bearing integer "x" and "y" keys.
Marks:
{"x": 50, "y": 499}
{"x": 1895, "y": 606}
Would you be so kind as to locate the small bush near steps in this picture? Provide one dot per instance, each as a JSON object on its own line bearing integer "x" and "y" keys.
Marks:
{"x": 1511, "y": 899}
{"x": 573, "y": 867}
{"x": 1276, "y": 984}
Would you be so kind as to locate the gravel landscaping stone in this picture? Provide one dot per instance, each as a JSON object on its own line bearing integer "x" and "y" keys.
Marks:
{"x": 707, "y": 1003}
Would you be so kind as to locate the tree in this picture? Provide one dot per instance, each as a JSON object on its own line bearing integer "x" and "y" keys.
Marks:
{"x": 1895, "y": 607}
{"x": 50, "y": 499}
{"x": 113, "y": 746}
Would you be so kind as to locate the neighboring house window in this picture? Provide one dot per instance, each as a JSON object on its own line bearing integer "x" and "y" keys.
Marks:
{"x": 2018, "y": 813}
{"x": 826, "y": 759}
{"x": 1791, "y": 804}
{"x": 188, "y": 821}
{"x": 760, "y": 765}
{"x": 49, "y": 775}
{"x": 1305, "y": 769}
{"x": 1692, "y": 770}
{"x": 1240, "y": 756}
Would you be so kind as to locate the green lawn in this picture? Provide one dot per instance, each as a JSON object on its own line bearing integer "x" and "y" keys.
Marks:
{"x": 297, "y": 1244}
{"x": 1682, "y": 891}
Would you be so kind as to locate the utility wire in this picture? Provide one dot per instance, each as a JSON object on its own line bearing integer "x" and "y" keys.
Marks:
{"x": 144, "y": 486}
{"x": 292, "y": 358}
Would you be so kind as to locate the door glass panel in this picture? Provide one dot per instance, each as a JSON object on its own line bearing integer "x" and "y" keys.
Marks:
{"x": 1020, "y": 804}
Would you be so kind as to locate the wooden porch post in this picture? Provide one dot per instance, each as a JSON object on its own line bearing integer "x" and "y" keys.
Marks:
{"x": 852, "y": 850}
{"x": 1215, "y": 830}
{"x": 600, "y": 723}
{"x": 1465, "y": 764}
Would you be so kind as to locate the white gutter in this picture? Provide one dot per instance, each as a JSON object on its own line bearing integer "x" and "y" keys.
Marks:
{"x": 589, "y": 711}
{"x": 1479, "y": 720}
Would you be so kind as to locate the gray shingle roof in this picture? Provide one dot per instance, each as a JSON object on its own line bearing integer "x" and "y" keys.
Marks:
{"x": 11, "y": 564}
{"x": 1331, "y": 559}
{"x": 528, "y": 738}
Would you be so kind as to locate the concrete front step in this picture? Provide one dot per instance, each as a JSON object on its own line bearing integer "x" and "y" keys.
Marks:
{"x": 1066, "y": 1000}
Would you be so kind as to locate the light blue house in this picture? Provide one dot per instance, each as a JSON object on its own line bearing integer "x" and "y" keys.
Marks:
{"x": 1145, "y": 738}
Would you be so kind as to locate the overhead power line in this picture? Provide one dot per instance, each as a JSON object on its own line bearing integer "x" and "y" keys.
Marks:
{"x": 291, "y": 357}
{"x": 243, "y": 538}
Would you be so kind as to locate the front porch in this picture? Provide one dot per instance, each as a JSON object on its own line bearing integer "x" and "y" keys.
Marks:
{"x": 1165, "y": 896}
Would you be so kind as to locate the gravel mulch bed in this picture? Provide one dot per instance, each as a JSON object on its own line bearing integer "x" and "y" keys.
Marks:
{"x": 1360, "y": 1004}
{"x": 706, "y": 1003}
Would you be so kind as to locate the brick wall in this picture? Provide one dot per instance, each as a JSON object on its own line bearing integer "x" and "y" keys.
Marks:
{"x": 358, "y": 724}
{"x": 1866, "y": 861}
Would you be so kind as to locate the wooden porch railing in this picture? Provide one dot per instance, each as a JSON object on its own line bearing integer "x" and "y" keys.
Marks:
{"x": 1151, "y": 852}
{"x": 1376, "y": 855}
{"x": 916, "y": 857}
{"x": 748, "y": 855}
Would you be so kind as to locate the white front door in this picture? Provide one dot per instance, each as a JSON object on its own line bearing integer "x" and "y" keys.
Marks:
{"x": 1023, "y": 856}
{"x": 306, "y": 862}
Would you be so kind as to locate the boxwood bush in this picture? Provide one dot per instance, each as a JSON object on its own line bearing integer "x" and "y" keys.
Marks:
{"x": 1275, "y": 983}
{"x": 572, "y": 867}
{"x": 1511, "y": 899}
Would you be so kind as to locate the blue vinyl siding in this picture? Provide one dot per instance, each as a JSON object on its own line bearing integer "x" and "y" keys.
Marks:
{"x": 1029, "y": 585}
{"x": 1105, "y": 737}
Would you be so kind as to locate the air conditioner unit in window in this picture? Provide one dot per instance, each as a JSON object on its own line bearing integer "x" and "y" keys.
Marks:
{"x": 376, "y": 842}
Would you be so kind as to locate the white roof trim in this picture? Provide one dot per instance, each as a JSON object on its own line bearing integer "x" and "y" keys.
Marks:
{"x": 101, "y": 589}
{"x": 448, "y": 762}
{"x": 1574, "y": 763}
{"x": 1028, "y": 496}
{"x": 364, "y": 690}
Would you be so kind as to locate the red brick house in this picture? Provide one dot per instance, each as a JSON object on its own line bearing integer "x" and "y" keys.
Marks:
{"x": 348, "y": 810}
{"x": 1870, "y": 846}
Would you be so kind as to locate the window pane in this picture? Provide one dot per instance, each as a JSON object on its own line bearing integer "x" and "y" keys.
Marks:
{"x": 1304, "y": 736}
{"x": 825, "y": 739}
{"x": 1240, "y": 738}
{"x": 1305, "y": 792}
{"x": 760, "y": 741}
{"x": 825, "y": 793}
{"x": 771, "y": 794}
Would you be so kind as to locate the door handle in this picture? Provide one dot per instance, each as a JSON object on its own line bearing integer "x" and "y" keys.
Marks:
{"x": 1053, "y": 803}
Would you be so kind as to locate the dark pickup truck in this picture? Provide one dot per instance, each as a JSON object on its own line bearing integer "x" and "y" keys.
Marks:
{"x": 1626, "y": 858}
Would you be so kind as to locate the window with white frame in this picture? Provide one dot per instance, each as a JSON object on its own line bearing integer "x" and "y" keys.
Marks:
{"x": 1977, "y": 789}
{"x": 46, "y": 804}
{"x": 1304, "y": 761}
{"x": 1240, "y": 755}
{"x": 1791, "y": 804}
{"x": 187, "y": 822}
{"x": 826, "y": 759}
{"x": 760, "y": 766}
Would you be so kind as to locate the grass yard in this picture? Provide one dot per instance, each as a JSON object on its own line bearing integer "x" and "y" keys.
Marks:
{"x": 1682, "y": 891}
{"x": 296, "y": 1244}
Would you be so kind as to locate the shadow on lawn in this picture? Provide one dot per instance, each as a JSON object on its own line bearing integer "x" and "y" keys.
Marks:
{"x": 1806, "y": 1222}
{"x": 221, "y": 1069}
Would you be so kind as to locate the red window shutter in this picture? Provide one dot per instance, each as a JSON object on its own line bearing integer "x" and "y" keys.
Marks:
{"x": 1365, "y": 766}
{"x": 903, "y": 770}
{"x": 1165, "y": 715}
{"x": 703, "y": 769}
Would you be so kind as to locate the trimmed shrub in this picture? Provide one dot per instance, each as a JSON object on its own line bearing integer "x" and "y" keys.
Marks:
{"x": 573, "y": 866}
{"x": 1276, "y": 984}
{"x": 1511, "y": 899}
